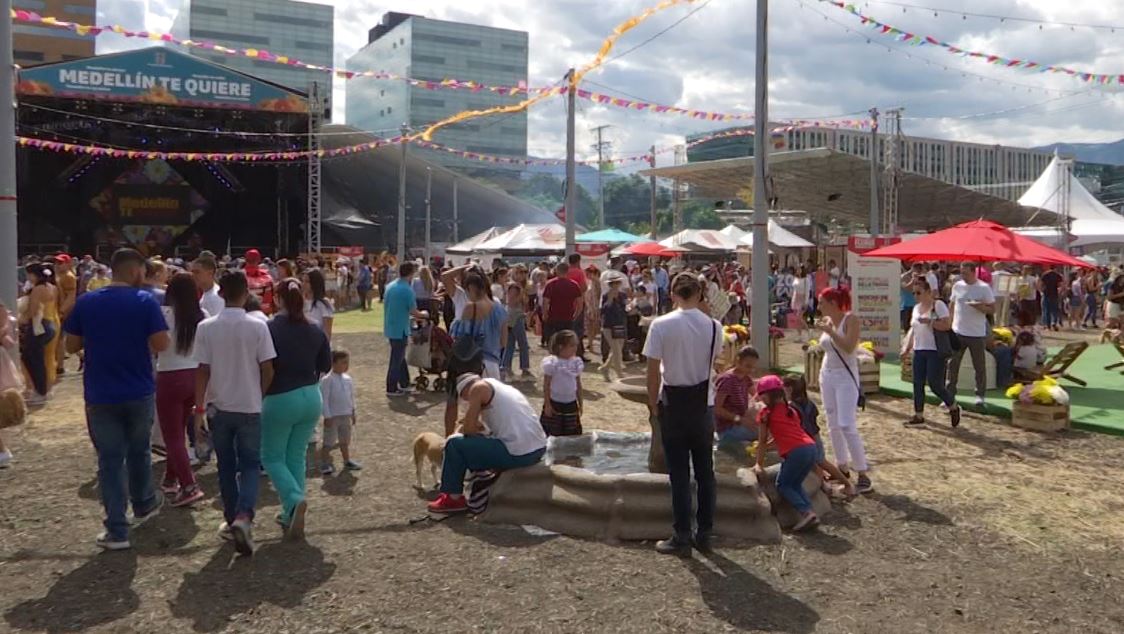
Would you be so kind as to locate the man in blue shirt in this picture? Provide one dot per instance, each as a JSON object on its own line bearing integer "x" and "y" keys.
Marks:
{"x": 663, "y": 285}
{"x": 399, "y": 305}
{"x": 120, "y": 327}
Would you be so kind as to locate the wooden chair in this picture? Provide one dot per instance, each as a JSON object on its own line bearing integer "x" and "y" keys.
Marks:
{"x": 1058, "y": 365}
{"x": 1119, "y": 348}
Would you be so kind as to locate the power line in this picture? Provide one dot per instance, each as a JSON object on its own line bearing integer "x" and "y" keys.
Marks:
{"x": 649, "y": 40}
{"x": 1002, "y": 18}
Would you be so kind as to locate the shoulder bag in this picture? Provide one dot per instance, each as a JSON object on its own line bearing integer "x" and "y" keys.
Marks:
{"x": 943, "y": 338}
{"x": 855, "y": 379}
{"x": 687, "y": 403}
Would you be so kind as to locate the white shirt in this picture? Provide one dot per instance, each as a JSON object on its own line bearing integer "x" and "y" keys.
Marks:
{"x": 934, "y": 284}
{"x": 510, "y": 418}
{"x": 836, "y": 359}
{"x": 563, "y": 375}
{"x": 923, "y": 336}
{"x": 170, "y": 360}
{"x": 1027, "y": 358}
{"x": 675, "y": 340}
{"x": 968, "y": 321}
{"x": 257, "y": 314}
{"x": 211, "y": 302}
{"x": 318, "y": 313}
{"x": 460, "y": 300}
{"x": 234, "y": 345}
{"x": 338, "y": 393}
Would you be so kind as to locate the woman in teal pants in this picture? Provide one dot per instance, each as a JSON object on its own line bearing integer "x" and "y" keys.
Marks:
{"x": 292, "y": 405}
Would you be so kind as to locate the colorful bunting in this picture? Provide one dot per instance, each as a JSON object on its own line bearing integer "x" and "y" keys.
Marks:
{"x": 914, "y": 39}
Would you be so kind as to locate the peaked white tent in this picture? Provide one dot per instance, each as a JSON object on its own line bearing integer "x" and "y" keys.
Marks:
{"x": 734, "y": 232}
{"x": 1091, "y": 223}
{"x": 527, "y": 239}
{"x": 465, "y": 247}
{"x": 779, "y": 237}
{"x": 701, "y": 240}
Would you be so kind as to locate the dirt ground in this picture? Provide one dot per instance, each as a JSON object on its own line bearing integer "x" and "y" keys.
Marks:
{"x": 982, "y": 529}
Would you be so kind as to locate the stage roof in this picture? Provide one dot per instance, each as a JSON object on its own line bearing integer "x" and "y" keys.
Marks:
{"x": 832, "y": 184}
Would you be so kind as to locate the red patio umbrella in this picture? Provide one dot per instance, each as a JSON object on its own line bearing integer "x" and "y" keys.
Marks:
{"x": 652, "y": 249}
{"x": 977, "y": 241}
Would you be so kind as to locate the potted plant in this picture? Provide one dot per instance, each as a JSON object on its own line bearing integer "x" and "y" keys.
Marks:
{"x": 1039, "y": 406}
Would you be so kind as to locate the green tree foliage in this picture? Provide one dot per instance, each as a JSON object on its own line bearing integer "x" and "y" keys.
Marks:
{"x": 547, "y": 193}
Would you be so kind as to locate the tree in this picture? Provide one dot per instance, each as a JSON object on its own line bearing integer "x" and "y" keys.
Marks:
{"x": 547, "y": 193}
{"x": 628, "y": 200}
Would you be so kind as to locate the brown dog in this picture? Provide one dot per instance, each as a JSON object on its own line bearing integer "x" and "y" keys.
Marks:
{"x": 432, "y": 446}
{"x": 13, "y": 409}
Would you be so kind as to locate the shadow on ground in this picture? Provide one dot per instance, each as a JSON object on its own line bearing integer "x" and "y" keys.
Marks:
{"x": 97, "y": 593}
{"x": 746, "y": 602}
{"x": 229, "y": 586}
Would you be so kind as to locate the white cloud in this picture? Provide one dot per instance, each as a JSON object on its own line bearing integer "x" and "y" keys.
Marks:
{"x": 818, "y": 68}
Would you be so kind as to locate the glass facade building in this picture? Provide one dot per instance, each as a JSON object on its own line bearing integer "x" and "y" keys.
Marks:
{"x": 34, "y": 44}
{"x": 284, "y": 27}
{"x": 427, "y": 49}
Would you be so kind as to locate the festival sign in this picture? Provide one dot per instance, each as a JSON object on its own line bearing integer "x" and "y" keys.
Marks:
{"x": 876, "y": 292}
{"x": 149, "y": 206}
{"x": 156, "y": 76}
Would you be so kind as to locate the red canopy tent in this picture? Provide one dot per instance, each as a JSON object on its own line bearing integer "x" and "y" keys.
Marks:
{"x": 977, "y": 241}
{"x": 653, "y": 249}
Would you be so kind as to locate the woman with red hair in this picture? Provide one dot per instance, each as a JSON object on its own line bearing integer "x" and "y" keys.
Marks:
{"x": 839, "y": 382}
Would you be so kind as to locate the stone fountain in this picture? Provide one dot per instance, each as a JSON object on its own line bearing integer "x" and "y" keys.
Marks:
{"x": 612, "y": 486}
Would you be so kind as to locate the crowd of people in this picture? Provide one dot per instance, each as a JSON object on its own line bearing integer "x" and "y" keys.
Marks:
{"x": 233, "y": 357}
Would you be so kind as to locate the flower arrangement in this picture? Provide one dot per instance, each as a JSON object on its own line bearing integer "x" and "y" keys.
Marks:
{"x": 871, "y": 351}
{"x": 1043, "y": 392}
{"x": 1005, "y": 336}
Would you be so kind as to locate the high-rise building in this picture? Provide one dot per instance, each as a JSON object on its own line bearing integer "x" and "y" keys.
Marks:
{"x": 34, "y": 44}
{"x": 303, "y": 30}
{"x": 427, "y": 49}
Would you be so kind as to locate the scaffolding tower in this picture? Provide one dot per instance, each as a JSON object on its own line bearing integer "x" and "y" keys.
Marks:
{"x": 315, "y": 118}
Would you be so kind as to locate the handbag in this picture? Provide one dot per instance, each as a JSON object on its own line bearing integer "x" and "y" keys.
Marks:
{"x": 943, "y": 339}
{"x": 468, "y": 348}
{"x": 862, "y": 397}
{"x": 689, "y": 402}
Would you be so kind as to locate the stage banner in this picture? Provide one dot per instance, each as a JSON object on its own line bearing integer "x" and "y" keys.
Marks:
{"x": 147, "y": 206}
{"x": 876, "y": 292}
{"x": 157, "y": 76}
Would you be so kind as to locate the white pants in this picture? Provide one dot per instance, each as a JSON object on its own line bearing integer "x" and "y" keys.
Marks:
{"x": 840, "y": 404}
{"x": 491, "y": 370}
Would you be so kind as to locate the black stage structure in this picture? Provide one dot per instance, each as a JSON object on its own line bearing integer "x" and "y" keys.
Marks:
{"x": 158, "y": 99}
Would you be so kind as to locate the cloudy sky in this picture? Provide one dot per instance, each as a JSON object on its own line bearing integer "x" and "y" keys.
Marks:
{"x": 823, "y": 63}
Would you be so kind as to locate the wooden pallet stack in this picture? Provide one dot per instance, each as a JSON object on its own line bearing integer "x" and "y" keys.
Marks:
{"x": 907, "y": 368}
{"x": 813, "y": 359}
{"x": 870, "y": 376}
{"x": 1036, "y": 417}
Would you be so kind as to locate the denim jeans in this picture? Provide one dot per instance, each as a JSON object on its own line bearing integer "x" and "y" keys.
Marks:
{"x": 737, "y": 434}
{"x": 517, "y": 335}
{"x": 790, "y": 481}
{"x": 464, "y": 453}
{"x": 121, "y": 434}
{"x": 1090, "y": 309}
{"x": 929, "y": 367}
{"x": 1051, "y": 312}
{"x": 397, "y": 374}
{"x": 687, "y": 442}
{"x": 237, "y": 441}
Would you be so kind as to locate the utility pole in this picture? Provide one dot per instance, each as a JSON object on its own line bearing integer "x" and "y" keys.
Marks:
{"x": 571, "y": 204}
{"x": 402, "y": 196}
{"x": 652, "y": 185}
{"x": 677, "y": 194}
{"x": 9, "y": 244}
{"x": 456, "y": 214}
{"x": 600, "y": 146}
{"x": 875, "y": 213}
{"x": 428, "y": 211}
{"x": 759, "y": 323}
{"x": 891, "y": 185}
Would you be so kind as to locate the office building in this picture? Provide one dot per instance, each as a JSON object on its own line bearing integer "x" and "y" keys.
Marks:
{"x": 33, "y": 44}
{"x": 303, "y": 30}
{"x": 428, "y": 49}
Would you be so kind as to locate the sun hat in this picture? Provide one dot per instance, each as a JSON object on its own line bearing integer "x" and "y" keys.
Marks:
{"x": 769, "y": 383}
{"x": 465, "y": 380}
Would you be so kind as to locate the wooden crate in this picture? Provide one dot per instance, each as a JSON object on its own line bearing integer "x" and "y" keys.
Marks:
{"x": 813, "y": 359}
{"x": 1035, "y": 417}
{"x": 870, "y": 376}
{"x": 775, "y": 351}
{"x": 907, "y": 368}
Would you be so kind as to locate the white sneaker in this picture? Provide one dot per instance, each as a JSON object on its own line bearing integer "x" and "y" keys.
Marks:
{"x": 980, "y": 402}
{"x": 104, "y": 541}
{"x": 192, "y": 459}
{"x": 5, "y": 459}
{"x": 225, "y": 533}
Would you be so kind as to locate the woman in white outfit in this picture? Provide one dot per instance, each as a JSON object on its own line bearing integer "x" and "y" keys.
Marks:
{"x": 839, "y": 382}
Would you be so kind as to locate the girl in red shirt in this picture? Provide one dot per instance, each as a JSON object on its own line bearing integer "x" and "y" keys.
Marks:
{"x": 781, "y": 422}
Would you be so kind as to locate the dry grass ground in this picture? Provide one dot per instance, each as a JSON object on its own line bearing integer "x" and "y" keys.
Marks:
{"x": 983, "y": 529}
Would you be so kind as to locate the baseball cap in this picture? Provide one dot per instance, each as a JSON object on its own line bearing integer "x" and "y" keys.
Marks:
{"x": 769, "y": 383}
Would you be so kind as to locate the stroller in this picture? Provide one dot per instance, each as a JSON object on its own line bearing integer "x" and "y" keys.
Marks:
{"x": 428, "y": 350}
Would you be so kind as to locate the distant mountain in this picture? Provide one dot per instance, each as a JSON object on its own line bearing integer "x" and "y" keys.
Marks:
{"x": 1110, "y": 153}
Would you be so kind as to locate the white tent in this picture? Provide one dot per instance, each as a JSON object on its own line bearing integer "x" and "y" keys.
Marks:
{"x": 528, "y": 239}
{"x": 465, "y": 247}
{"x": 1091, "y": 223}
{"x": 779, "y": 237}
{"x": 734, "y": 232}
{"x": 701, "y": 240}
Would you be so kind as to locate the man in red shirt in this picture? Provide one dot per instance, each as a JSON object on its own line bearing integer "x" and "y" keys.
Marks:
{"x": 259, "y": 281}
{"x": 578, "y": 276}
{"x": 562, "y": 302}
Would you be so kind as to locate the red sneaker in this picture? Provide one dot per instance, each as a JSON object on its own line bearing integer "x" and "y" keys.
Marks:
{"x": 446, "y": 504}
